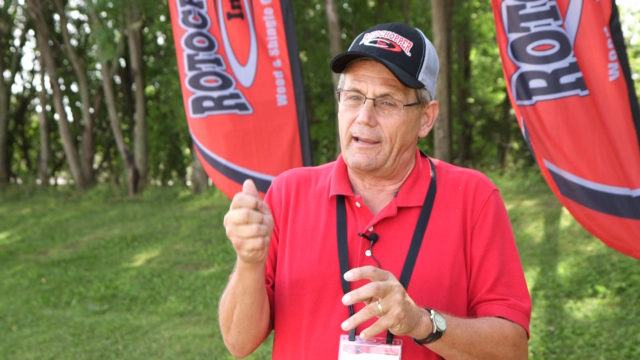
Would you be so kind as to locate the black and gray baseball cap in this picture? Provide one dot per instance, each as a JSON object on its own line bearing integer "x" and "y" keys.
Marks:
{"x": 403, "y": 49}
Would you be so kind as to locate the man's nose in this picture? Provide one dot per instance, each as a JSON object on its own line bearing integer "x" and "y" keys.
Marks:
{"x": 367, "y": 113}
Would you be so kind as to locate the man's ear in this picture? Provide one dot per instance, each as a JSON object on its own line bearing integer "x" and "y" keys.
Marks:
{"x": 429, "y": 115}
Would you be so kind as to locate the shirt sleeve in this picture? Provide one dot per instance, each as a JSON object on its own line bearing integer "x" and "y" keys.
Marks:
{"x": 497, "y": 284}
{"x": 272, "y": 200}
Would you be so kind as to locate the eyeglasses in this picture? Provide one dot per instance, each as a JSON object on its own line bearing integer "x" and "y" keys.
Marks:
{"x": 354, "y": 100}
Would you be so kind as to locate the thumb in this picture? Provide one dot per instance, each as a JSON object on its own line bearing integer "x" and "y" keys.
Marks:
{"x": 248, "y": 187}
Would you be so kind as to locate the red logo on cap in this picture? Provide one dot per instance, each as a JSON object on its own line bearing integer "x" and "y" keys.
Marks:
{"x": 387, "y": 40}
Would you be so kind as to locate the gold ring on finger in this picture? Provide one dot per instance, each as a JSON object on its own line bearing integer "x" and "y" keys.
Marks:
{"x": 379, "y": 307}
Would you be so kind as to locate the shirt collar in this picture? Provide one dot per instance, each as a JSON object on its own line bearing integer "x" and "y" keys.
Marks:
{"x": 340, "y": 184}
{"x": 412, "y": 192}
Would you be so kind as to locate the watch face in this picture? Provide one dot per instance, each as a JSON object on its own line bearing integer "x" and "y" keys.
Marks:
{"x": 441, "y": 323}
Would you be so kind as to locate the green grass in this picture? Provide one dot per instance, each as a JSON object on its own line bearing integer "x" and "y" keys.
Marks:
{"x": 106, "y": 277}
{"x": 586, "y": 296}
{"x": 103, "y": 277}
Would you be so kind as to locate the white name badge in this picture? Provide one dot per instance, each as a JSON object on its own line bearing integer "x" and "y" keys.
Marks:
{"x": 372, "y": 349}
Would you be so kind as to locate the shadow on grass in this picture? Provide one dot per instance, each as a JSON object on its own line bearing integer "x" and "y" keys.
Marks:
{"x": 603, "y": 297}
{"x": 544, "y": 293}
{"x": 585, "y": 296}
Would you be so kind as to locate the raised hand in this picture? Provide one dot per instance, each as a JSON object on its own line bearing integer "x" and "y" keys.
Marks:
{"x": 249, "y": 225}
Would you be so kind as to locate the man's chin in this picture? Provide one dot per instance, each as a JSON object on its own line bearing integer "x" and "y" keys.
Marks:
{"x": 361, "y": 163}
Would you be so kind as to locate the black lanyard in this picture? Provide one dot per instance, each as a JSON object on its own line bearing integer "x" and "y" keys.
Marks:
{"x": 412, "y": 254}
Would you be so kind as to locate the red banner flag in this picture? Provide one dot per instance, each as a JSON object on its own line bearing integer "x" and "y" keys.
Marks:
{"x": 242, "y": 88}
{"x": 569, "y": 81}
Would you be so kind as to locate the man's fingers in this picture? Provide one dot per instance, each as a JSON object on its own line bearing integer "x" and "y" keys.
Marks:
{"x": 385, "y": 299}
{"x": 399, "y": 320}
{"x": 243, "y": 216}
{"x": 244, "y": 200}
{"x": 372, "y": 290}
{"x": 379, "y": 326}
{"x": 248, "y": 187}
{"x": 367, "y": 272}
{"x": 248, "y": 231}
{"x": 382, "y": 283}
{"x": 249, "y": 198}
{"x": 368, "y": 312}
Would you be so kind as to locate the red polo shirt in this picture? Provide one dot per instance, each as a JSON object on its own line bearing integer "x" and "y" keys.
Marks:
{"x": 468, "y": 264}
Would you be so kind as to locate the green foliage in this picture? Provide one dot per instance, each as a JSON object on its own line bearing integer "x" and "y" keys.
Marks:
{"x": 107, "y": 27}
{"x": 630, "y": 23}
{"x": 311, "y": 29}
{"x": 102, "y": 276}
{"x": 169, "y": 140}
{"x": 478, "y": 111}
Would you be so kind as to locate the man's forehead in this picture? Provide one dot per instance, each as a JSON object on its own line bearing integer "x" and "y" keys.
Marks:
{"x": 370, "y": 73}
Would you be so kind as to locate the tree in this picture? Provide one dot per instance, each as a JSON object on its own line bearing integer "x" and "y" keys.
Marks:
{"x": 441, "y": 19}
{"x": 135, "y": 161}
{"x": 45, "y": 148}
{"x": 199, "y": 179}
{"x": 333, "y": 22}
{"x": 113, "y": 89}
{"x": 107, "y": 69}
{"x": 81, "y": 76}
{"x": 134, "y": 34}
{"x": 12, "y": 38}
{"x": 335, "y": 44}
{"x": 461, "y": 82}
{"x": 20, "y": 130}
{"x": 37, "y": 13}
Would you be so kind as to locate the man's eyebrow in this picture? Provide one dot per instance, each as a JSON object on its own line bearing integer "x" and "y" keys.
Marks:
{"x": 388, "y": 93}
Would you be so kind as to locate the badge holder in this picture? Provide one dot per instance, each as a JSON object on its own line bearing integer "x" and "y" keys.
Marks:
{"x": 372, "y": 349}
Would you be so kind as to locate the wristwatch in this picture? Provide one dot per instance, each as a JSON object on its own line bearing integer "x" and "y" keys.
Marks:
{"x": 439, "y": 326}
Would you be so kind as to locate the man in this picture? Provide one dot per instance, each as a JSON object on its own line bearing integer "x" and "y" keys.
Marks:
{"x": 432, "y": 265}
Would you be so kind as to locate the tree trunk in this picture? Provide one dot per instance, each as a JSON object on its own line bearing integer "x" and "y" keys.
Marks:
{"x": 441, "y": 20}
{"x": 505, "y": 132}
{"x": 463, "y": 91}
{"x": 68, "y": 144}
{"x": 335, "y": 46}
{"x": 131, "y": 172}
{"x": 87, "y": 148}
{"x": 141, "y": 152}
{"x": 4, "y": 130}
{"x": 405, "y": 11}
{"x": 335, "y": 42}
{"x": 5, "y": 98}
{"x": 379, "y": 10}
{"x": 199, "y": 178}
{"x": 45, "y": 147}
{"x": 20, "y": 136}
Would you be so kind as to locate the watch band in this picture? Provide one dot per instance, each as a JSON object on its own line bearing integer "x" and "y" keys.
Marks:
{"x": 437, "y": 331}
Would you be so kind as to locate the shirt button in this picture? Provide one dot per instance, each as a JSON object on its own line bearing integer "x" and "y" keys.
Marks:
{"x": 358, "y": 204}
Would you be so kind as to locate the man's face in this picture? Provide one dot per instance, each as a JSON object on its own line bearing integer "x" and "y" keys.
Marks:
{"x": 374, "y": 144}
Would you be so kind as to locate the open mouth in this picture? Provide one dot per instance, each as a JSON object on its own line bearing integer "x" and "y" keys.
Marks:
{"x": 364, "y": 141}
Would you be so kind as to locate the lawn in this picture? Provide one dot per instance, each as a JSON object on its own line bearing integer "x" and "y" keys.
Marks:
{"x": 101, "y": 276}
